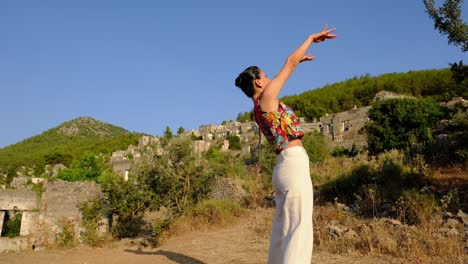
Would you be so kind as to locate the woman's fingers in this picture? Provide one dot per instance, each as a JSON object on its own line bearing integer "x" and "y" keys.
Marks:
{"x": 325, "y": 27}
{"x": 325, "y": 34}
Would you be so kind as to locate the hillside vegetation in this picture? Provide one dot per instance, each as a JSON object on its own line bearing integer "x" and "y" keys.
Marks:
{"x": 65, "y": 143}
{"x": 359, "y": 91}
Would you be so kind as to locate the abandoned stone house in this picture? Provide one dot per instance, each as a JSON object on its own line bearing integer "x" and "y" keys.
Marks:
{"x": 342, "y": 129}
{"x": 41, "y": 215}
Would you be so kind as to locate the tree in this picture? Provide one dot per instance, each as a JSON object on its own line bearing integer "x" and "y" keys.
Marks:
{"x": 168, "y": 133}
{"x": 57, "y": 157}
{"x": 447, "y": 20}
{"x": 180, "y": 131}
{"x": 244, "y": 117}
{"x": 460, "y": 76}
{"x": 88, "y": 168}
{"x": 127, "y": 201}
{"x": 174, "y": 179}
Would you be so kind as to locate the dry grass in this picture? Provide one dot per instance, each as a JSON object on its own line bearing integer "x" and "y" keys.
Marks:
{"x": 331, "y": 168}
{"x": 385, "y": 236}
{"x": 207, "y": 215}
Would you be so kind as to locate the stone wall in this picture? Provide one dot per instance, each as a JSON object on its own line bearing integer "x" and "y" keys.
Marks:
{"x": 345, "y": 128}
{"x": 21, "y": 200}
{"x": 41, "y": 217}
{"x": 61, "y": 199}
{"x": 200, "y": 146}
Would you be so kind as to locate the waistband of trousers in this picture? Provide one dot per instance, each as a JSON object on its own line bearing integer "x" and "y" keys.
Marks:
{"x": 296, "y": 150}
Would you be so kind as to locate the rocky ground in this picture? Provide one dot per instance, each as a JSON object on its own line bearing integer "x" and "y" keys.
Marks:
{"x": 244, "y": 242}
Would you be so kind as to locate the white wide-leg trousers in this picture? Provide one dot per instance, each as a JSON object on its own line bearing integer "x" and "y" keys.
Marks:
{"x": 292, "y": 234}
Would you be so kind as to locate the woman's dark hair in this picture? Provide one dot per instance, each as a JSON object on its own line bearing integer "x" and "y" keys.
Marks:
{"x": 246, "y": 78}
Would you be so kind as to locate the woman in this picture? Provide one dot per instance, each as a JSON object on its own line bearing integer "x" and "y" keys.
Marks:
{"x": 292, "y": 234}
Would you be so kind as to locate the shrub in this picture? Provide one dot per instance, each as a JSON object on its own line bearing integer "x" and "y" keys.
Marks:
{"x": 403, "y": 124}
{"x": 215, "y": 212}
{"x": 266, "y": 161}
{"x": 415, "y": 207}
{"x": 316, "y": 146}
{"x": 38, "y": 188}
{"x": 371, "y": 183}
{"x": 87, "y": 168}
{"x": 347, "y": 152}
{"x": 450, "y": 144}
{"x": 234, "y": 142}
{"x": 126, "y": 201}
{"x": 91, "y": 212}
{"x": 226, "y": 164}
{"x": 66, "y": 238}
{"x": 160, "y": 229}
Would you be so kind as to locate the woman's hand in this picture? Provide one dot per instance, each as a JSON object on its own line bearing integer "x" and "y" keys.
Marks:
{"x": 324, "y": 34}
{"x": 307, "y": 58}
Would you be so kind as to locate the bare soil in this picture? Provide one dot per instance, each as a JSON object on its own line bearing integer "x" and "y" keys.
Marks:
{"x": 243, "y": 242}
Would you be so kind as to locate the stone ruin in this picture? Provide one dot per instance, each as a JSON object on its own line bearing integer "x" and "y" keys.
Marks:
{"x": 342, "y": 129}
{"x": 383, "y": 95}
{"x": 41, "y": 214}
{"x": 26, "y": 205}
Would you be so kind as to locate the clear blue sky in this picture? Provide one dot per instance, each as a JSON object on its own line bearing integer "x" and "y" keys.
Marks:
{"x": 143, "y": 65}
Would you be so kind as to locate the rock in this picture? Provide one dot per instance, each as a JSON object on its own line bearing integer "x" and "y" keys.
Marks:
{"x": 363, "y": 230}
{"x": 391, "y": 221}
{"x": 447, "y": 214}
{"x": 342, "y": 207}
{"x": 436, "y": 220}
{"x": 350, "y": 234}
{"x": 227, "y": 189}
{"x": 383, "y": 95}
{"x": 463, "y": 217}
{"x": 453, "y": 232}
{"x": 451, "y": 223}
{"x": 444, "y": 230}
{"x": 388, "y": 207}
{"x": 334, "y": 231}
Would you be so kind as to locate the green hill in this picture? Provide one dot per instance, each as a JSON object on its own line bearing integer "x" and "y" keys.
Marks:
{"x": 359, "y": 91}
{"x": 65, "y": 143}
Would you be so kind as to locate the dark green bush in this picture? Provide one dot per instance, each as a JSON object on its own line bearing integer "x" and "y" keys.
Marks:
{"x": 316, "y": 146}
{"x": 234, "y": 142}
{"x": 87, "y": 168}
{"x": 403, "y": 124}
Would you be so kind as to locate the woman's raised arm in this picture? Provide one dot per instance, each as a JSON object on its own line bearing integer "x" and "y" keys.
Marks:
{"x": 269, "y": 100}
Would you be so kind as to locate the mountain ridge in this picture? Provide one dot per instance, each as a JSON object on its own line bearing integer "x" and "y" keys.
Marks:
{"x": 69, "y": 140}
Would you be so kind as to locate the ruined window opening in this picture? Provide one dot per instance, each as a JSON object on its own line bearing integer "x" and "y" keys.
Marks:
{"x": 11, "y": 224}
{"x": 346, "y": 125}
{"x": 330, "y": 129}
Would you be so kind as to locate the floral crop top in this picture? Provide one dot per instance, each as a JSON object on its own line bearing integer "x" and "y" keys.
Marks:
{"x": 280, "y": 126}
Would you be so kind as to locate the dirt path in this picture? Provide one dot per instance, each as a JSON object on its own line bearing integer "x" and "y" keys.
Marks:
{"x": 240, "y": 243}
